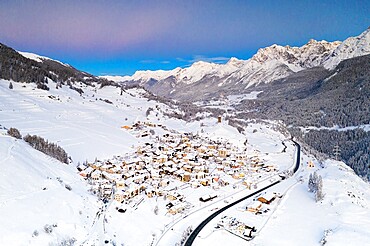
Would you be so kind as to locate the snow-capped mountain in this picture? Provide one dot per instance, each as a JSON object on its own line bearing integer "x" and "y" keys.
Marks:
{"x": 268, "y": 64}
{"x": 351, "y": 47}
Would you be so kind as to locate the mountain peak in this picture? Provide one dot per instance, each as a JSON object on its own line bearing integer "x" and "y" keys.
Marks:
{"x": 312, "y": 41}
{"x": 349, "y": 48}
{"x": 233, "y": 61}
{"x": 269, "y": 63}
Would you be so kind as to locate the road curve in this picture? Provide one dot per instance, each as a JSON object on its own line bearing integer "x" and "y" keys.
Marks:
{"x": 196, "y": 231}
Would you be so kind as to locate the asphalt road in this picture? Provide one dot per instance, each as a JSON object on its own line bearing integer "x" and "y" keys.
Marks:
{"x": 195, "y": 233}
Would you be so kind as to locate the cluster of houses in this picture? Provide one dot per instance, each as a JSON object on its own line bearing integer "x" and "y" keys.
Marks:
{"x": 162, "y": 158}
{"x": 236, "y": 227}
{"x": 259, "y": 205}
{"x": 241, "y": 229}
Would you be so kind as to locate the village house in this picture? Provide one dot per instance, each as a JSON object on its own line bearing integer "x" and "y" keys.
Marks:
{"x": 254, "y": 207}
{"x": 222, "y": 152}
{"x": 267, "y": 198}
{"x": 310, "y": 164}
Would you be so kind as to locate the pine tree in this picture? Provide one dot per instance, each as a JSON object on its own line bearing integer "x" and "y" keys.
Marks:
{"x": 310, "y": 183}
{"x": 319, "y": 194}
{"x": 315, "y": 186}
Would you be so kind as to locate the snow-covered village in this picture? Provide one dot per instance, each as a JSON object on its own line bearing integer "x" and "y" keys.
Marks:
{"x": 184, "y": 123}
{"x": 173, "y": 156}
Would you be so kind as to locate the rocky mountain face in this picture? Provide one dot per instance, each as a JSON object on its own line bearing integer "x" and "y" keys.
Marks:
{"x": 28, "y": 67}
{"x": 322, "y": 108}
{"x": 267, "y": 65}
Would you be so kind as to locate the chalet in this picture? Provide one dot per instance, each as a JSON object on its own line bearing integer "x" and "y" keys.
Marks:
{"x": 254, "y": 207}
{"x": 96, "y": 165}
{"x": 222, "y": 152}
{"x": 186, "y": 177}
{"x": 212, "y": 146}
{"x": 96, "y": 175}
{"x": 202, "y": 149}
{"x": 187, "y": 168}
{"x": 105, "y": 167}
{"x": 87, "y": 172}
{"x": 120, "y": 184}
{"x": 198, "y": 169}
{"x": 175, "y": 196}
{"x": 310, "y": 164}
{"x": 200, "y": 175}
{"x": 267, "y": 198}
{"x": 164, "y": 183}
{"x": 119, "y": 196}
{"x": 178, "y": 208}
{"x": 205, "y": 182}
{"x": 150, "y": 191}
{"x": 162, "y": 158}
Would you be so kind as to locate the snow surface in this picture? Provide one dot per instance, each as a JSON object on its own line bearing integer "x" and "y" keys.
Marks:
{"x": 115, "y": 78}
{"x": 365, "y": 127}
{"x": 38, "y": 58}
{"x": 32, "y": 196}
{"x": 299, "y": 220}
{"x": 87, "y": 127}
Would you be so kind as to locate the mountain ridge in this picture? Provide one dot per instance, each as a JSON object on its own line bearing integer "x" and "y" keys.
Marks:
{"x": 268, "y": 64}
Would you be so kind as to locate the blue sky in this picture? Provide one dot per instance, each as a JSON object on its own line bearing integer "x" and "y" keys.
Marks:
{"x": 120, "y": 37}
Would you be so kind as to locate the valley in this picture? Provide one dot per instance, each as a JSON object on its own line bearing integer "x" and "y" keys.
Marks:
{"x": 239, "y": 153}
{"x": 138, "y": 176}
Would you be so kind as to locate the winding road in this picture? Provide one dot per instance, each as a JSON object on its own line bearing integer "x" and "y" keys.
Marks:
{"x": 197, "y": 230}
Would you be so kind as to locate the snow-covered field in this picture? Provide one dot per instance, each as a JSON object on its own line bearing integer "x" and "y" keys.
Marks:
{"x": 33, "y": 191}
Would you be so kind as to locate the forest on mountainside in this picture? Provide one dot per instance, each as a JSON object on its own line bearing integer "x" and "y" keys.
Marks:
{"x": 319, "y": 98}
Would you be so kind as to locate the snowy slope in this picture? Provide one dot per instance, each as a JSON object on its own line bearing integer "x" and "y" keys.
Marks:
{"x": 33, "y": 194}
{"x": 90, "y": 127}
{"x": 38, "y": 58}
{"x": 344, "y": 210}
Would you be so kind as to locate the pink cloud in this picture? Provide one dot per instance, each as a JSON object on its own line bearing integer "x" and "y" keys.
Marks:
{"x": 85, "y": 26}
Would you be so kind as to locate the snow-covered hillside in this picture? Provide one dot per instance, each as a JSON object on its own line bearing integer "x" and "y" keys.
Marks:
{"x": 34, "y": 194}
{"x": 34, "y": 186}
{"x": 85, "y": 126}
{"x": 268, "y": 64}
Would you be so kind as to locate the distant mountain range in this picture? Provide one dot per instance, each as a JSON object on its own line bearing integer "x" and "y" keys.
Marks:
{"x": 267, "y": 65}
